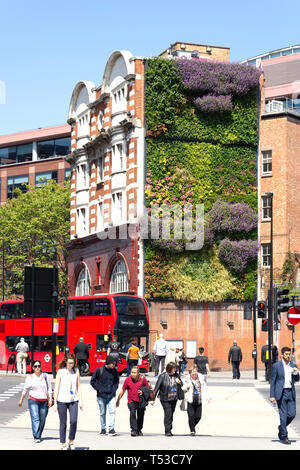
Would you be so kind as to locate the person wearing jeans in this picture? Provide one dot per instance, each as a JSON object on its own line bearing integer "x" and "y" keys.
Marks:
{"x": 38, "y": 387}
{"x": 105, "y": 380}
{"x": 67, "y": 396}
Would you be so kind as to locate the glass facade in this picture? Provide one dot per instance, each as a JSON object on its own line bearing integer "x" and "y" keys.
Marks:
{"x": 45, "y": 149}
{"x": 42, "y": 178}
{"x": 53, "y": 148}
{"x": 14, "y": 182}
{"x": 16, "y": 154}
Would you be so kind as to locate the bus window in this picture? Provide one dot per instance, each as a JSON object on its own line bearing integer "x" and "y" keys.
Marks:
{"x": 101, "y": 307}
{"x": 80, "y": 308}
{"x": 129, "y": 306}
{"x": 41, "y": 343}
{"x": 102, "y": 342}
{"x": 46, "y": 343}
{"x": 12, "y": 310}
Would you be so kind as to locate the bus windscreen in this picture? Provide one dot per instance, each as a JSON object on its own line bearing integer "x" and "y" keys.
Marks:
{"x": 129, "y": 306}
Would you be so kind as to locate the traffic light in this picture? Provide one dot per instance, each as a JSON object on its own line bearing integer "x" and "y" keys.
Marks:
{"x": 264, "y": 325}
{"x": 261, "y": 309}
{"x": 281, "y": 303}
{"x": 62, "y": 305}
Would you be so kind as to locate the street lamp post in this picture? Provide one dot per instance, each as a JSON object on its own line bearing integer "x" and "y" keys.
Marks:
{"x": 3, "y": 270}
{"x": 270, "y": 294}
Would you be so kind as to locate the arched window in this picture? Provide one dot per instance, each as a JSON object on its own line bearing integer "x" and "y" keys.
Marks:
{"x": 119, "y": 278}
{"x": 83, "y": 286}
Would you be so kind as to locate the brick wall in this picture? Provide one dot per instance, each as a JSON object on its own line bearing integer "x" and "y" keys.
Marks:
{"x": 207, "y": 324}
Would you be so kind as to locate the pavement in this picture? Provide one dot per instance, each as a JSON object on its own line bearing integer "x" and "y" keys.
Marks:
{"x": 237, "y": 417}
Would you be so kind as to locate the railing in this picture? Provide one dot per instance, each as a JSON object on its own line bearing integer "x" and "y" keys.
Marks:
{"x": 283, "y": 105}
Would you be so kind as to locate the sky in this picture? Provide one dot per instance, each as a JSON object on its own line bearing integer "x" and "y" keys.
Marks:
{"x": 46, "y": 47}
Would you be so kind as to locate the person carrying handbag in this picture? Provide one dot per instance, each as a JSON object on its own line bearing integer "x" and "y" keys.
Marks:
{"x": 195, "y": 389}
{"x": 39, "y": 390}
{"x": 168, "y": 386}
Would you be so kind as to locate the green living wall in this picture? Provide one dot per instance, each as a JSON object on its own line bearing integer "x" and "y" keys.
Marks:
{"x": 201, "y": 149}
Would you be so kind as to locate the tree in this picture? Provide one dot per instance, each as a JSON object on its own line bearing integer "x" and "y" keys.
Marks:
{"x": 35, "y": 227}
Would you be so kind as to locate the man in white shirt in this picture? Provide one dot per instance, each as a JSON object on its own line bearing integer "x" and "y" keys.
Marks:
{"x": 22, "y": 349}
{"x": 282, "y": 391}
{"x": 160, "y": 349}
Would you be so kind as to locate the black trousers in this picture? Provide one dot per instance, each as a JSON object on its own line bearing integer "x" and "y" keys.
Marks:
{"x": 136, "y": 417}
{"x": 62, "y": 413}
{"x": 194, "y": 414}
{"x": 132, "y": 362}
{"x": 158, "y": 360}
{"x": 236, "y": 369}
{"x": 169, "y": 408}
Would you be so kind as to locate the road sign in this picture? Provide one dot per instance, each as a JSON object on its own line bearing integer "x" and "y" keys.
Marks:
{"x": 294, "y": 315}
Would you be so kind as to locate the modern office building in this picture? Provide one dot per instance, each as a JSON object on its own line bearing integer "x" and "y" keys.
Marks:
{"x": 31, "y": 156}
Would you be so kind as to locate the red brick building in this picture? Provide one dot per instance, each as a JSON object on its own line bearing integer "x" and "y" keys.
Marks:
{"x": 279, "y": 173}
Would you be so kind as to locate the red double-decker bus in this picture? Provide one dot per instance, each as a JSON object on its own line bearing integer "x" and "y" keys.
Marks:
{"x": 95, "y": 318}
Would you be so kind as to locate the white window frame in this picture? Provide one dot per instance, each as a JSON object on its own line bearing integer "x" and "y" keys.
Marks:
{"x": 266, "y": 159}
{"x": 266, "y": 255}
{"x": 100, "y": 216}
{"x": 81, "y": 176}
{"x": 83, "y": 284}
{"x": 119, "y": 100}
{"x": 119, "y": 278}
{"x": 83, "y": 128}
{"x": 266, "y": 205}
{"x": 81, "y": 221}
{"x": 118, "y": 157}
{"x": 100, "y": 168}
{"x": 118, "y": 212}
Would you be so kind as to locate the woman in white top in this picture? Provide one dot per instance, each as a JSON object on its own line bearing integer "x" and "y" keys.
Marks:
{"x": 38, "y": 387}
{"x": 67, "y": 395}
{"x": 195, "y": 387}
{"x": 172, "y": 357}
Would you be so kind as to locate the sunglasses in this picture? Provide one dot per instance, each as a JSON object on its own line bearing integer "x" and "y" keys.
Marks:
{"x": 36, "y": 365}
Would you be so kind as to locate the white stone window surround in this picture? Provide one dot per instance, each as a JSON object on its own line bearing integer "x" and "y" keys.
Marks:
{"x": 119, "y": 278}
{"x": 118, "y": 216}
{"x": 81, "y": 220}
{"x": 100, "y": 215}
{"x": 118, "y": 155}
{"x": 82, "y": 176}
{"x": 83, "y": 285}
{"x": 100, "y": 158}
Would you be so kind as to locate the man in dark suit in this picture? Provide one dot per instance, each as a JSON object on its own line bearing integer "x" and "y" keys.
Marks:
{"x": 282, "y": 391}
{"x": 235, "y": 356}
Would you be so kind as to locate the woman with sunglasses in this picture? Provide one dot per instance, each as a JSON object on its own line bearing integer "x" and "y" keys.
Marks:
{"x": 67, "y": 395}
{"x": 38, "y": 387}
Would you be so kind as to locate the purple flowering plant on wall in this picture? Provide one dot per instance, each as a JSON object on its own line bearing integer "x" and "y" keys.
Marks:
{"x": 214, "y": 103}
{"x": 215, "y": 83}
{"x": 237, "y": 254}
{"x": 232, "y": 217}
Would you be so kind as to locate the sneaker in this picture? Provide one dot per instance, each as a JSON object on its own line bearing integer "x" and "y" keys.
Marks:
{"x": 103, "y": 432}
{"x": 168, "y": 434}
{"x": 193, "y": 433}
{"x": 37, "y": 441}
{"x": 112, "y": 432}
{"x": 140, "y": 433}
{"x": 71, "y": 447}
{"x": 133, "y": 433}
{"x": 64, "y": 447}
